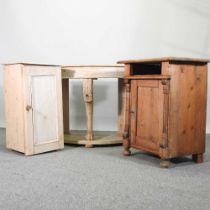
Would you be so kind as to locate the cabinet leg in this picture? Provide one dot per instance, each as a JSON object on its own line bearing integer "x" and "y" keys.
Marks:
{"x": 164, "y": 163}
{"x": 88, "y": 145}
{"x": 126, "y": 146}
{"x": 88, "y": 98}
{"x": 198, "y": 158}
{"x": 126, "y": 140}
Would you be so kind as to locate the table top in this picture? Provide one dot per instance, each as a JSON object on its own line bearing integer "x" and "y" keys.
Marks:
{"x": 92, "y": 71}
{"x": 99, "y": 66}
{"x": 162, "y": 59}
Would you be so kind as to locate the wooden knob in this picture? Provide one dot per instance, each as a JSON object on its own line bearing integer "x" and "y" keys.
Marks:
{"x": 28, "y": 108}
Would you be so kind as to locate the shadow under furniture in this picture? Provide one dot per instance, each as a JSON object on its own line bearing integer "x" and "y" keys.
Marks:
{"x": 88, "y": 74}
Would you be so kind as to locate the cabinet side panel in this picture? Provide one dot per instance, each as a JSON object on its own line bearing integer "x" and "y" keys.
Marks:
{"x": 60, "y": 108}
{"x": 14, "y": 107}
{"x": 201, "y": 106}
{"x": 187, "y": 109}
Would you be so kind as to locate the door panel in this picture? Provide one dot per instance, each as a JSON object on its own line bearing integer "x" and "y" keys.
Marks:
{"x": 148, "y": 116}
{"x": 44, "y": 105}
{"x": 44, "y": 113}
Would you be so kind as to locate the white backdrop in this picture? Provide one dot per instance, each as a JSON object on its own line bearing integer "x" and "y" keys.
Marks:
{"x": 100, "y": 32}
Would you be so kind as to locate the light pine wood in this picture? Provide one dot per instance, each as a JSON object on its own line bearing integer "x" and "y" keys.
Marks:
{"x": 14, "y": 111}
{"x": 99, "y": 138}
{"x": 40, "y": 111}
{"x": 49, "y": 142}
{"x": 167, "y": 113}
{"x": 89, "y": 73}
{"x": 44, "y": 111}
{"x": 88, "y": 99}
{"x": 92, "y": 71}
{"x": 31, "y": 64}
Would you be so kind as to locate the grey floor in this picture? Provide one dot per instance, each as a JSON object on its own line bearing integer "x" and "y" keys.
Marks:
{"x": 101, "y": 178}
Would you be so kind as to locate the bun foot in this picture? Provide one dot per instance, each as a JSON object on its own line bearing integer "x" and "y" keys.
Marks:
{"x": 88, "y": 145}
{"x": 198, "y": 158}
{"x": 127, "y": 153}
{"x": 164, "y": 163}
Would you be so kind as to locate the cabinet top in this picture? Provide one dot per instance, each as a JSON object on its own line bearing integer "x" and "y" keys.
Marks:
{"x": 30, "y": 64}
{"x": 162, "y": 59}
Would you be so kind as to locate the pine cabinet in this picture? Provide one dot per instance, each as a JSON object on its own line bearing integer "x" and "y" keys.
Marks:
{"x": 33, "y": 108}
{"x": 166, "y": 107}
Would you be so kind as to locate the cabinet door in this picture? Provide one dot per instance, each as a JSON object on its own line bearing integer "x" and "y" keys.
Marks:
{"x": 147, "y": 115}
{"x": 44, "y": 123}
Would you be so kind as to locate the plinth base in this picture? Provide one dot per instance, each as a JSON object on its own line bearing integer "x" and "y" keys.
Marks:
{"x": 100, "y": 138}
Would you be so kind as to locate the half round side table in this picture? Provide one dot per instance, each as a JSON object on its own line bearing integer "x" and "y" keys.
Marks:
{"x": 89, "y": 73}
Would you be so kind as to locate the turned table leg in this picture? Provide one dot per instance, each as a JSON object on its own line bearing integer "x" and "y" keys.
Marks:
{"x": 198, "y": 158}
{"x": 65, "y": 92}
{"x": 88, "y": 99}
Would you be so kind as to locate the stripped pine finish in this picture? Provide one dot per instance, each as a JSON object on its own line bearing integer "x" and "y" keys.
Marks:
{"x": 89, "y": 73}
{"x": 92, "y": 71}
{"x": 88, "y": 98}
{"x": 35, "y": 125}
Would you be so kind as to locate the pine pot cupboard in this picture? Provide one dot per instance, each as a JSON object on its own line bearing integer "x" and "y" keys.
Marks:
{"x": 166, "y": 107}
{"x": 33, "y": 108}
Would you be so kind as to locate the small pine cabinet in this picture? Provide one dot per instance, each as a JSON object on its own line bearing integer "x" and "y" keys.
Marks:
{"x": 166, "y": 107}
{"x": 33, "y": 108}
